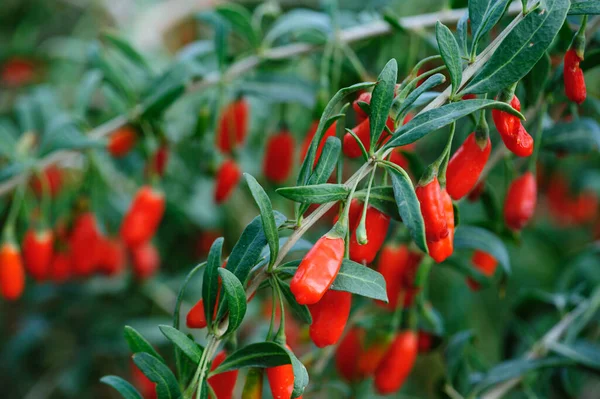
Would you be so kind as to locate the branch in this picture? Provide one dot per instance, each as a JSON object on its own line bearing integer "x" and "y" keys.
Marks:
{"x": 361, "y": 32}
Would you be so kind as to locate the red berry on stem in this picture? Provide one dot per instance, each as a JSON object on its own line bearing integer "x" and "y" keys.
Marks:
{"x": 465, "y": 166}
{"x": 520, "y": 201}
{"x": 279, "y": 157}
{"x": 12, "y": 273}
{"x": 227, "y": 178}
{"x": 329, "y": 317}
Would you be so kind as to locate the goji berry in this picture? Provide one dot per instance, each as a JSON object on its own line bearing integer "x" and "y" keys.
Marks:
{"x": 398, "y": 266}
{"x": 60, "y": 268}
{"x": 227, "y": 178}
{"x": 347, "y": 352}
{"x": 377, "y": 224}
{"x": 83, "y": 241}
{"x": 281, "y": 381}
{"x": 143, "y": 217}
{"x": 397, "y": 363}
{"x": 145, "y": 259}
{"x": 466, "y": 165}
{"x": 157, "y": 164}
{"x": 370, "y": 358}
{"x": 12, "y": 273}
{"x": 573, "y": 77}
{"x": 121, "y": 141}
{"x": 233, "y": 126}
{"x": 485, "y": 263}
{"x": 110, "y": 256}
{"x": 38, "y": 248}
{"x": 442, "y": 249}
{"x": 53, "y": 178}
{"x": 433, "y": 210}
{"x": 512, "y": 132}
{"x": 363, "y": 132}
{"x": 279, "y": 157}
{"x": 147, "y": 388}
{"x": 17, "y": 72}
{"x": 330, "y": 132}
{"x": 358, "y": 111}
{"x": 520, "y": 201}
{"x": 222, "y": 384}
{"x": 329, "y": 317}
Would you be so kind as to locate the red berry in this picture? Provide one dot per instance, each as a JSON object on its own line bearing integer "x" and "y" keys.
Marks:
{"x": 397, "y": 363}
{"x": 466, "y": 165}
{"x": 520, "y": 201}
{"x": 122, "y": 141}
{"x": 329, "y": 317}
{"x": 146, "y": 260}
{"x": 222, "y": 384}
{"x": 433, "y": 210}
{"x": 38, "y": 248}
{"x": 12, "y": 273}
{"x": 143, "y": 217}
{"x": 227, "y": 179}
{"x": 330, "y": 132}
{"x": 573, "y": 77}
{"x": 279, "y": 157}
{"x": 83, "y": 241}
{"x": 233, "y": 126}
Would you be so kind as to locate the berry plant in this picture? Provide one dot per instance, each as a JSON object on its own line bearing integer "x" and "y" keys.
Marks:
{"x": 274, "y": 201}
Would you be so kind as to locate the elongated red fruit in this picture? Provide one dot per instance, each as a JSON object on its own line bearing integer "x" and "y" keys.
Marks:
{"x": 466, "y": 165}
{"x": 60, "y": 268}
{"x": 376, "y": 224}
{"x": 12, "y": 273}
{"x": 363, "y": 132}
{"x": 573, "y": 77}
{"x": 347, "y": 352}
{"x": 233, "y": 126}
{"x": 485, "y": 263}
{"x": 17, "y": 72}
{"x": 317, "y": 270}
{"x": 520, "y": 201}
{"x": 83, "y": 241}
{"x": 222, "y": 384}
{"x": 146, "y": 387}
{"x": 512, "y": 132}
{"x": 370, "y": 358}
{"x": 38, "y": 249}
{"x": 432, "y": 208}
{"x": 110, "y": 256}
{"x": 360, "y": 114}
{"x": 281, "y": 381}
{"x": 121, "y": 141}
{"x": 196, "y": 317}
{"x": 143, "y": 217}
{"x": 228, "y": 176}
{"x": 330, "y": 132}
{"x": 146, "y": 260}
{"x": 53, "y": 176}
{"x": 398, "y": 266}
{"x": 397, "y": 363}
{"x": 279, "y": 157}
{"x": 442, "y": 249}
{"x": 157, "y": 164}
{"x": 329, "y": 317}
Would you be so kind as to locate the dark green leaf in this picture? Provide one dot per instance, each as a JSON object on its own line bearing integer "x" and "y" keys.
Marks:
{"x": 381, "y": 100}
{"x": 126, "y": 390}
{"x": 8, "y": 139}
{"x": 521, "y": 49}
{"x": 210, "y": 283}
{"x": 138, "y": 344}
{"x": 437, "y": 118}
{"x": 300, "y": 375}
{"x": 405, "y": 105}
{"x": 309, "y": 160}
{"x": 583, "y": 352}
{"x": 455, "y": 352}
{"x": 535, "y": 81}
{"x": 191, "y": 349}
{"x": 166, "y": 383}
{"x": 470, "y": 237}
{"x": 297, "y": 21}
{"x": 25, "y": 110}
{"x": 360, "y": 280}
{"x": 382, "y": 198}
{"x": 281, "y": 87}
{"x": 581, "y": 7}
{"x": 462, "y": 31}
{"x": 488, "y": 13}
{"x": 580, "y": 136}
{"x": 266, "y": 214}
{"x": 127, "y": 50}
{"x": 240, "y": 20}
{"x": 246, "y": 252}
{"x": 317, "y": 194}
{"x": 261, "y": 354}
{"x": 236, "y": 299}
{"x": 450, "y": 54}
{"x": 301, "y": 311}
{"x": 408, "y": 206}
{"x": 327, "y": 161}
{"x": 89, "y": 84}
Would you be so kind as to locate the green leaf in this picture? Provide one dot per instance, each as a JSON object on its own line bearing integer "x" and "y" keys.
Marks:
{"x": 581, "y": 7}
{"x": 126, "y": 390}
{"x": 166, "y": 383}
{"x": 301, "y": 311}
{"x": 62, "y": 134}
{"x": 455, "y": 352}
{"x": 381, "y": 100}
{"x": 138, "y": 344}
{"x": 470, "y": 237}
{"x": 408, "y": 206}
{"x": 246, "y": 252}
{"x": 327, "y": 161}
{"x": 127, "y": 50}
{"x": 300, "y": 375}
{"x": 360, "y": 280}
{"x": 191, "y": 349}
{"x": 521, "y": 49}
{"x": 236, "y": 299}
{"x": 437, "y": 118}
{"x": 261, "y": 354}
{"x": 241, "y": 22}
{"x": 317, "y": 194}
{"x": 535, "y": 81}
{"x": 405, "y": 105}
{"x": 580, "y": 136}
{"x": 266, "y": 214}
{"x": 210, "y": 283}
{"x": 89, "y": 84}
{"x": 309, "y": 160}
{"x": 298, "y": 21}
{"x": 281, "y": 87}
{"x": 8, "y": 139}
{"x": 382, "y": 198}
{"x": 583, "y": 352}
{"x": 25, "y": 110}
{"x": 487, "y": 14}
{"x": 462, "y": 30}
{"x": 450, "y": 54}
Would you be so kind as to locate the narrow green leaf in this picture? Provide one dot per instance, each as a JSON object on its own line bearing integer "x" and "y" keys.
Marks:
{"x": 166, "y": 383}
{"x": 27, "y": 117}
{"x": 470, "y": 237}
{"x": 301, "y": 311}
{"x": 246, "y": 252}
{"x": 492, "y": 11}
{"x": 462, "y": 31}
{"x": 137, "y": 343}
{"x": 521, "y": 49}
{"x": 535, "y": 81}
{"x": 408, "y": 206}
{"x": 191, "y": 349}
{"x": 261, "y": 354}
{"x": 309, "y": 160}
{"x": 266, "y": 214}
{"x": 127, "y": 50}
{"x": 360, "y": 280}
{"x": 450, "y": 53}
{"x": 406, "y": 104}
{"x": 582, "y": 7}
{"x": 210, "y": 283}
{"x": 236, "y": 299}
{"x": 126, "y": 390}
{"x": 455, "y": 352}
{"x": 317, "y": 194}
{"x": 90, "y": 82}
{"x": 298, "y": 21}
{"x": 300, "y": 375}
{"x": 240, "y": 20}
{"x": 382, "y": 198}
{"x": 381, "y": 100}
{"x": 583, "y": 352}
{"x": 580, "y": 136}
{"x": 437, "y": 118}
{"x": 327, "y": 161}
